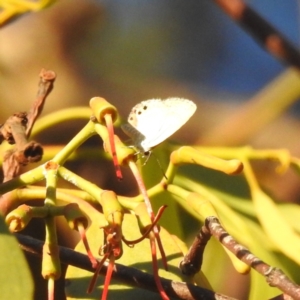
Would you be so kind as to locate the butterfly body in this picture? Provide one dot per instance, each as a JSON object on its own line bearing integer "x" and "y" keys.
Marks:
{"x": 152, "y": 121}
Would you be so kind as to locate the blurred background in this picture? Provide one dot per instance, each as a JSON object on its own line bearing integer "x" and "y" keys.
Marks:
{"x": 129, "y": 51}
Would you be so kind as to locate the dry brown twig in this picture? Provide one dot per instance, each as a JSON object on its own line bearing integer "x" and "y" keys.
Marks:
{"x": 266, "y": 34}
{"x": 17, "y": 129}
{"x": 192, "y": 261}
{"x": 129, "y": 276}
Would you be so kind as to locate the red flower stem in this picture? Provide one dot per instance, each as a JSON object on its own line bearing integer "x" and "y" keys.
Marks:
{"x": 162, "y": 252}
{"x": 96, "y": 273}
{"x": 51, "y": 288}
{"x": 143, "y": 190}
{"x": 160, "y": 288}
{"x": 142, "y": 187}
{"x": 81, "y": 231}
{"x": 109, "y": 271}
{"x": 110, "y": 128}
{"x": 145, "y": 234}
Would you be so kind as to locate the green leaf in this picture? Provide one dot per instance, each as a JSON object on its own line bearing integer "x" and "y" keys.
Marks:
{"x": 291, "y": 213}
{"x": 276, "y": 226}
{"x": 15, "y": 277}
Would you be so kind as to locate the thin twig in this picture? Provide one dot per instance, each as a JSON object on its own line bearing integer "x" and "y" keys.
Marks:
{"x": 127, "y": 275}
{"x": 192, "y": 261}
{"x": 274, "y": 276}
{"x": 47, "y": 78}
{"x": 14, "y": 131}
{"x": 17, "y": 129}
{"x": 271, "y": 39}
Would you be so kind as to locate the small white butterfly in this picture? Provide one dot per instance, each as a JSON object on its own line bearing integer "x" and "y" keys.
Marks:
{"x": 153, "y": 121}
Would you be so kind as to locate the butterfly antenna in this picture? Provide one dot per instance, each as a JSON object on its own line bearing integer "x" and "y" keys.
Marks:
{"x": 147, "y": 155}
{"x": 159, "y": 164}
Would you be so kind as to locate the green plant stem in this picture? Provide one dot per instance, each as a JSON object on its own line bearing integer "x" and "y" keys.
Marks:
{"x": 51, "y": 236}
{"x": 80, "y": 182}
{"x": 101, "y": 130}
{"x": 63, "y": 115}
{"x": 178, "y": 191}
{"x": 180, "y": 194}
{"x": 66, "y": 195}
{"x": 247, "y": 152}
{"x": 50, "y": 200}
{"x": 250, "y": 177}
{"x": 71, "y": 195}
{"x": 51, "y": 187}
{"x": 86, "y": 132}
{"x": 170, "y": 173}
{"x": 51, "y": 265}
{"x": 92, "y": 189}
{"x": 27, "y": 178}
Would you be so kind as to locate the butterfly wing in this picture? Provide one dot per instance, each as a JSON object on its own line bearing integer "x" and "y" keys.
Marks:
{"x": 158, "y": 119}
